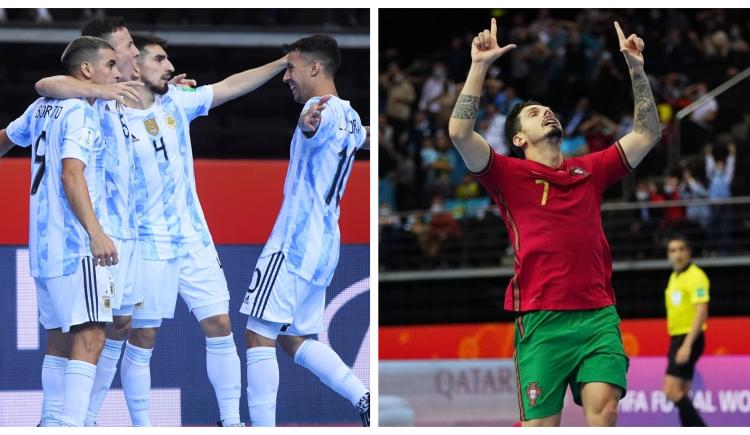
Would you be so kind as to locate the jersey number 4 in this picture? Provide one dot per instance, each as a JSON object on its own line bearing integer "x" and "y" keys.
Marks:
{"x": 39, "y": 158}
{"x": 160, "y": 148}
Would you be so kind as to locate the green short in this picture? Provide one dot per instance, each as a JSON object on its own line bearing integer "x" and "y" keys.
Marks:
{"x": 555, "y": 349}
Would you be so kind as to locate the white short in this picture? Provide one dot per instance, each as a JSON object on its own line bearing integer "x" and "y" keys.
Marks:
{"x": 197, "y": 276}
{"x": 83, "y": 296}
{"x": 280, "y": 300}
{"x": 124, "y": 273}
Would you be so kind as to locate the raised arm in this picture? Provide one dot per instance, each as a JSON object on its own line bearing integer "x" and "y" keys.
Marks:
{"x": 63, "y": 87}
{"x": 242, "y": 83}
{"x": 646, "y": 128}
{"x": 473, "y": 148}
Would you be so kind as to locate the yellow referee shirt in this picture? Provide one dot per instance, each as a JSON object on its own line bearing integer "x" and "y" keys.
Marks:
{"x": 685, "y": 289}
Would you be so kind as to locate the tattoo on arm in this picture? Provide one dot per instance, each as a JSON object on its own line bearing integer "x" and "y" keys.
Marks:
{"x": 645, "y": 118}
{"x": 467, "y": 107}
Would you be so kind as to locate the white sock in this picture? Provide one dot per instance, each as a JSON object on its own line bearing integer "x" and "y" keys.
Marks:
{"x": 79, "y": 378}
{"x": 262, "y": 385}
{"x": 105, "y": 373}
{"x": 223, "y": 367}
{"x": 53, "y": 388}
{"x": 135, "y": 374}
{"x": 324, "y": 363}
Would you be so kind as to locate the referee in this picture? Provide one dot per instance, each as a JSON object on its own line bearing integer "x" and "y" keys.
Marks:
{"x": 686, "y": 299}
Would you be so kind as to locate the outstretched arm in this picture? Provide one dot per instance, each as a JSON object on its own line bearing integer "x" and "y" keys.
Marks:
{"x": 242, "y": 83}
{"x": 646, "y": 128}
{"x": 473, "y": 148}
{"x": 63, "y": 87}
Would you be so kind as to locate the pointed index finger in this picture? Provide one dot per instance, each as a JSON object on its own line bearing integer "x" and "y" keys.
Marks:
{"x": 620, "y": 35}
{"x": 493, "y": 28}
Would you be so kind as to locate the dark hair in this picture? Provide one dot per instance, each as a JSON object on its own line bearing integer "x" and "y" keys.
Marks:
{"x": 82, "y": 49}
{"x": 323, "y": 47}
{"x": 142, "y": 41}
{"x": 513, "y": 124}
{"x": 103, "y": 27}
{"x": 679, "y": 238}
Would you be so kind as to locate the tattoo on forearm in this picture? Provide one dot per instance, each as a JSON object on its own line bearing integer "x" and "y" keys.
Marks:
{"x": 467, "y": 107}
{"x": 645, "y": 118}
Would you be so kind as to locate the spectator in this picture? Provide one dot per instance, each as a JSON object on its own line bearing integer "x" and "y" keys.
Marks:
{"x": 720, "y": 175}
{"x": 432, "y": 90}
{"x": 468, "y": 189}
{"x": 399, "y": 99}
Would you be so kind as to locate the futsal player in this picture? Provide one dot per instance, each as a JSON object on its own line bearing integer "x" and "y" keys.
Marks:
{"x": 68, "y": 247}
{"x": 286, "y": 298}
{"x": 567, "y": 329}
{"x": 119, "y": 204}
{"x": 178, "y": 253}
{"x": 686, "y": 299}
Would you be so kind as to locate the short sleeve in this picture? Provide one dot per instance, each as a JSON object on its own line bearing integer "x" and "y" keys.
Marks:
{"x": 493, "y": 176}
{"x": 699, "y": 290}
{"x": 80, "y": 133}
{"x": 194, "y": 101}
{"x": 19, "y": 131}
{"x": 608, "y": 166}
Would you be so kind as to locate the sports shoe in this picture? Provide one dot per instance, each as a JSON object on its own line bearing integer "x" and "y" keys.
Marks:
{"x": 363, "y": 406}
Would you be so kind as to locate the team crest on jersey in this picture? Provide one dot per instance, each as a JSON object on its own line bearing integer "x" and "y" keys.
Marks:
{"x": 171, "y": 123}
{"x": 151, "y": 126}
{"x": 533, "y": 392}
{"x": 577, "y": 171}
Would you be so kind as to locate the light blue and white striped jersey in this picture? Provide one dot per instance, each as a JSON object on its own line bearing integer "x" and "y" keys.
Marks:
{"x": 307, "y": 227}
{"x": 59, "y": 129}
{"x": 119, "y": 171}
{"x": 169, "y": 215}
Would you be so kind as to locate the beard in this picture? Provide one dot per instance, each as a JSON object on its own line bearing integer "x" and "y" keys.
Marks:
{"x": 554, "y": 132}
{"x": 157, "y": 88}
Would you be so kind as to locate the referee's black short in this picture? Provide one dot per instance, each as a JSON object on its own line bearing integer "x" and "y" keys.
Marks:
{"x": 685, "y": 371}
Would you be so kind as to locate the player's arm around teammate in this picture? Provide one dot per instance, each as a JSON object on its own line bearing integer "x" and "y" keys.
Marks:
{"x": 245, "y": 82}
{"x": 646, "y": 127}
{"x": 475, "y": 151}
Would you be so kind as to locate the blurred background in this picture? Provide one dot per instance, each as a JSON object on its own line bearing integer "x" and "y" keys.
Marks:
{"x": 241, "y": 152}
{"x": 444, "y": 257}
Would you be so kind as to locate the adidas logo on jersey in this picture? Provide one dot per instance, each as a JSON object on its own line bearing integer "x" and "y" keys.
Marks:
{"x": 135, "y": 139}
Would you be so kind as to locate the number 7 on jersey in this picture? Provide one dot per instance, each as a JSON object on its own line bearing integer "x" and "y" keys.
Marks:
{"x": 546, "y": 190}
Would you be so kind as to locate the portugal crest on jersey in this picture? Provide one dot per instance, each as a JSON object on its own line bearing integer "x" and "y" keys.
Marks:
{"x": 151, "y": 126}
{"x": 533, "y": 392}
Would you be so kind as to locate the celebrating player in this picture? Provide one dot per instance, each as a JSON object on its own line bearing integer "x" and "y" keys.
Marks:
{"x": 286, "y": 298}
{"x": 67, "y": 216}
{"x": 686, "y": 298}
{"x": 120, "y": 199}
{"x": 567, "y": 328}
{"x": 178, "y": 254}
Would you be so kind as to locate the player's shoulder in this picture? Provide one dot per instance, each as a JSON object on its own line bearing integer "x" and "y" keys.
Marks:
{"x": 696, "y": 272}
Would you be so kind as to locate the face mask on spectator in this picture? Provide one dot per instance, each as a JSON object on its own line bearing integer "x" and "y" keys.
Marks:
{"x": 642, "y": 195}
{"x": 669, "y": 189}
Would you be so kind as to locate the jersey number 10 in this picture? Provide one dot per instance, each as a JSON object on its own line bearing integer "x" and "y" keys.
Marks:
{"x": 338, "y": 179}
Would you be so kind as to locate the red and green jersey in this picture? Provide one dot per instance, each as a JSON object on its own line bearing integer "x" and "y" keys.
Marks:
{"x": 553, "y": 218}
